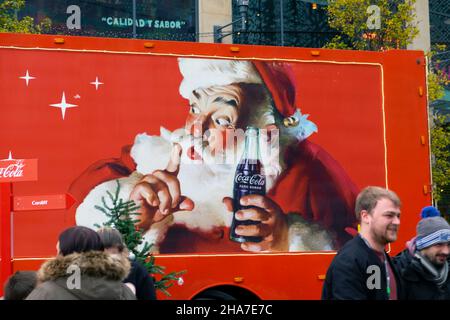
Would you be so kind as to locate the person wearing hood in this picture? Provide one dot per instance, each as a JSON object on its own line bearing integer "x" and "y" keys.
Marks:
{"x": 138, "y": 277}
{"x": 424, "y": 264}
{"x": 82, "y": 271}
{"x": 20, "y": 285}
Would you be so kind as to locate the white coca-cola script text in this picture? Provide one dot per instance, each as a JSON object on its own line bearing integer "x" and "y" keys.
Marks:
{"x": 254, "y": 180}
{"x": 13, "y": 170}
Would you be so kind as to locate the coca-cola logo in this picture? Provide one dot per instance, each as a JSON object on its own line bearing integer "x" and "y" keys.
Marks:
{"x": 12, "y": 170}
{"x": 253, "y": 180}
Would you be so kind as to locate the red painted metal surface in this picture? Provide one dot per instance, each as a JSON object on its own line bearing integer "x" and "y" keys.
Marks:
{"x": 270, "y": 276}
{"x": 6, "y": 266}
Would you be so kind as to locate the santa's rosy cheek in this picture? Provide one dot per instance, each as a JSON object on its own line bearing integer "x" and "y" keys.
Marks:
{"x": 227, "y": 135}
{"x": 192, "y": 154}
{"x": 189, "y": 122}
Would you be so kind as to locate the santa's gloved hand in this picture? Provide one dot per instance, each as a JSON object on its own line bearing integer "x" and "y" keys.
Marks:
{"x": 273, "y": 227}
{"x": 158, "y": 194}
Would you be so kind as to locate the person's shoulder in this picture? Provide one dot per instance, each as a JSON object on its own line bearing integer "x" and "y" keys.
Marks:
{"x": 352, "y": 247}
{"x": 402, "y": 259}
{"x": 138, "y": 270}
{"x": 412, "y": 270}
{"x": 354, "y": 252}
{"x": 348, "y": 254}
{"x": 128, "y": 291}
{"x": 47, "y": 290}
{"x": 137, "y": 265}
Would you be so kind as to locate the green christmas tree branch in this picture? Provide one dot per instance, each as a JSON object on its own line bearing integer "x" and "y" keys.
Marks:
{"x": 9, "y": 21}
{"x": 120, "y": 216}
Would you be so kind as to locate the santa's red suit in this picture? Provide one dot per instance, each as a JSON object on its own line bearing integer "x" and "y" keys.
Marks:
{"x": 312, "y": 185}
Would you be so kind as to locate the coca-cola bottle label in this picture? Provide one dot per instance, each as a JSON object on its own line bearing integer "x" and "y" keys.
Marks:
{"x": 249, "y": 179}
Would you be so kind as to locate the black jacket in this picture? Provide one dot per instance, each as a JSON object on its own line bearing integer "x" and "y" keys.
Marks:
{"x": 348, "y": 273}
{"x": 142, "y": 281}
{"x": 414, "y": 279}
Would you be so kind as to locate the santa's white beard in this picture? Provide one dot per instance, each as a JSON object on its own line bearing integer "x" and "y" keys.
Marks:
{"x": 206, "y": 181}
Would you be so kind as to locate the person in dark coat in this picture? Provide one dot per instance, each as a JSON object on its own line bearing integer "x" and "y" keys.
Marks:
{"x": 82, "y": 271}
{"x": 138, "y": 276}
{"x": 362, "y": 270}
{"x": 424, "y": 264}
{"x": 19, "y": 285}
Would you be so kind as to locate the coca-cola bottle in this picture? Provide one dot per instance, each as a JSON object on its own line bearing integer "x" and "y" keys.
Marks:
{"x": 249, "y": 179}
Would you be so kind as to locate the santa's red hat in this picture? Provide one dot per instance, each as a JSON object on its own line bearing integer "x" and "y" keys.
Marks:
{"x": 280, "y": 81}
{"x": 278, "y": 77}
{"x": 204, "y": 73}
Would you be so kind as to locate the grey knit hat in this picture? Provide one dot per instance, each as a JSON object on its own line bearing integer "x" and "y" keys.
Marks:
{"x": 432, "y": 229}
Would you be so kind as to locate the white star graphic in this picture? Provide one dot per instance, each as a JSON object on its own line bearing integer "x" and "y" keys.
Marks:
{"x": 77, "y": 96}
{"x": 96, "y": 83}
{"x": 63, "y": 105}
{"x": 9, "y": 157}
{"x": 27, "y": 78}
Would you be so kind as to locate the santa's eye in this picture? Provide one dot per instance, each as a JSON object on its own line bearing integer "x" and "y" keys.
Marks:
{"x": 194, "y": 109}
{"x": 223, "y": 121}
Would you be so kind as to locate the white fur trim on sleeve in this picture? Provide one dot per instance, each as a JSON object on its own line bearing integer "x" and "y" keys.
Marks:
{"x": 150, "y": 153}
{"x": 87, "y": 215}
{"x": 307, "y": 236}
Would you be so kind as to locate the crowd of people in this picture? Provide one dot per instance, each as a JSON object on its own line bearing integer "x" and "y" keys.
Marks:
{"x": 95, "y": 265}
{"x": 363, "y": 270}
{"x": 89, "y": 266}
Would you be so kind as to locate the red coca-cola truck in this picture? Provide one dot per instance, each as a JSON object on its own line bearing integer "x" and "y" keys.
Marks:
{"x": 79, "y": 114}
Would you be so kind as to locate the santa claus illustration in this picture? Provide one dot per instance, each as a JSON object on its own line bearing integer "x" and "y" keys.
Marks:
{"x": 184, "y": 192}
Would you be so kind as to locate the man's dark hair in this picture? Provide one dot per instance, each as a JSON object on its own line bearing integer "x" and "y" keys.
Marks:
{"x": 79, "y": 239}
{"x": 20, "y": 285}
{"x": 111, "y": 238}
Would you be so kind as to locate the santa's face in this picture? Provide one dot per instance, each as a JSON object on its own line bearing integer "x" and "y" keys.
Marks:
{"x": 213, "y": 116}
{"x": 218, "y": 117}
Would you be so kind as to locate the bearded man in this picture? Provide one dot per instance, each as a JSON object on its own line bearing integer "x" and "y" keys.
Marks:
{"x": 362, "y": 269}
{"x": 424, "y": 264}
{"x": 183, "y": 180}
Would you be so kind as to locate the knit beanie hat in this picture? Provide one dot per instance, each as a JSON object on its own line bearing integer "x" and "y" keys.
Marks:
{"x": 432, "y": 229}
